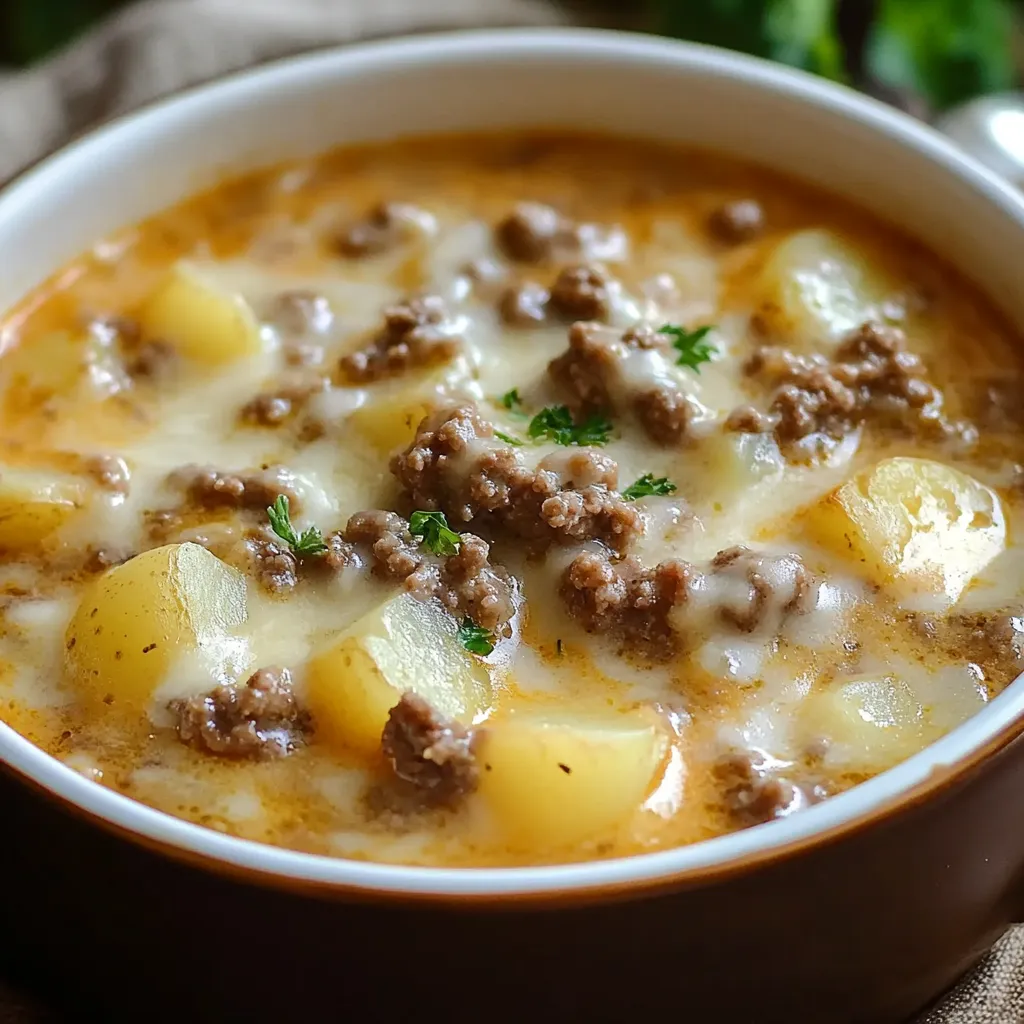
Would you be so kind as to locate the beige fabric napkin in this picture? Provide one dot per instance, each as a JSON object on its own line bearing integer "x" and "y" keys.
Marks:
{"x": 159, "y": 46}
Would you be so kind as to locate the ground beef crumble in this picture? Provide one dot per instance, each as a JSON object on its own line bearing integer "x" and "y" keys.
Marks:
{"x": 625, "y": 600}
{"x": 110, "y": 472}
{"x": 209, "y": 488}
{"x": 593, "y": 374}
{"x": 994, "y": 641}
{"x": 386, "y": 226}
{"x": 275, "y": 408}
{"x": 872, "y": 375}
{"x": 299, "y": 313}
{"x": 767, "y": 587}
{"x": 466, "y": 583}
{"x": 455, "y": 464}
{"x": 143, "y": 359}
{"x": 536, "y": 233}
{"x": 431, "y": 753}
{"x": 580, "y": 292}
{"x": 415, "y": 333}
{"x": 640, "y": 606}
{"x": 752, "y": 793}
{"x": 259, "y": 718}
{"x": 524, "y": 305}
{"x": 735, "y": 222}
{"x": 272, "y": 563}
{"x": 152, "y": 360}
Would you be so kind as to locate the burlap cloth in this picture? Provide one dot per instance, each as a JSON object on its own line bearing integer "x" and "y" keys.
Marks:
{"x": 156, "y": 47}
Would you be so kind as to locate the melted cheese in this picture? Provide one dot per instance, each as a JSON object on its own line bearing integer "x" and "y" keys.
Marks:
{"x": 730, "y": 689}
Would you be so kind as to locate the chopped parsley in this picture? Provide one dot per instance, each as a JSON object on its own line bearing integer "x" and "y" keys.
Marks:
{"x": 555, "y": 423}
{"x": 691, "y": 346}
{"x": 648, "y": 484}
{"x": 507, "y": 438}
{"x": 511, "y": 400}
{"x": 432, "y": 529}
{"x": 474, "y": 638}
{"x": 309, "y": 542}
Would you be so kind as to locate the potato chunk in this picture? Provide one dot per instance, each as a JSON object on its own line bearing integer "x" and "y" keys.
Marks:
{"x": 816, "y": 288}
{"x": 138, "y": 618}
{"x": 62, "y": 365}
{"x": 403, "y": 644}
{"x": 389, "y": 420}
{"x": 203, "y": 322}
{"x": 34, "y": 503}
{"x": 556, "y": 777}
{"x": 870, "y": 723}
{"x": 917, "y": 525}
{"x": 739, "y": 462}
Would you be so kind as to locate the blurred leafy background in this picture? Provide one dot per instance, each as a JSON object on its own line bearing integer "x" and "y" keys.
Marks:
{"x": 924, "y": 55}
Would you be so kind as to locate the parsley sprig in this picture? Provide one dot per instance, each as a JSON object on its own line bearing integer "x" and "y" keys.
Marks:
{"x": 309, "y": 542}
{"x": 648, "y": 484}
{"x": 474, "y": 638}
{"x": 511, "y": 400}
{"x": 691, "y": 346}
{"x": 508, "y": 438}
{"x": 555, "y": 423}
{"x": 432, "y": 528}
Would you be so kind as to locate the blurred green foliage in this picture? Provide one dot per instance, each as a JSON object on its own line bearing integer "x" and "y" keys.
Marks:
{"x": 29, "y": 29}
{"x": 939, "y": 52}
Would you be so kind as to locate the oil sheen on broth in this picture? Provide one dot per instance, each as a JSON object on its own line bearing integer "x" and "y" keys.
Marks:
{"x": 631, "y": 497}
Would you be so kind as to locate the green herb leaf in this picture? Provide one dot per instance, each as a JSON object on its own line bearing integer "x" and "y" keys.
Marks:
{"x": 799, "y": 32}
{"x": 947, "y": 50}
{"x": 555, "y": 423}
{"x": 309, "y": 542}
{"x": 507, "y": 438}
{"x": 511, "y": 399}
{"x": 691, "y": 346}
{"x": 432, "y": 528}
{"x": 474, "y": 638}
{"x": 647, "y": 484}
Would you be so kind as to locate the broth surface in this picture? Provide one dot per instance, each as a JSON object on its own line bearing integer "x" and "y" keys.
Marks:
{"x": 821, "y": 580}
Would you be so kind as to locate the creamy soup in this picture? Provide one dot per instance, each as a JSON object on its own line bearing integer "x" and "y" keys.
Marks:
{"x": 504, "y": 500}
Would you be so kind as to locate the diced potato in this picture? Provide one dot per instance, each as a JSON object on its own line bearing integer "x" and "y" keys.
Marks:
{"x": 139, "y": 617}
{"x": 870, "y": 723}
{"x": 403, "y": 644}
{"x": 59, "y": 365}
{"x": 389, "y": 420}
{"x": 915, "y": 524}
{"x": 556, "y": 778}
{"x": 52, "y": 364}
{"x": 817, "y": 289}
{"x": 736, "y": 462}
{"x": 34, "y": 503}
{"x": 202, "y": 321}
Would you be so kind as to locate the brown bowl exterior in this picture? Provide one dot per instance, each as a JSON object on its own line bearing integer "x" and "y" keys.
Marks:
{"x": 861, "y": 928}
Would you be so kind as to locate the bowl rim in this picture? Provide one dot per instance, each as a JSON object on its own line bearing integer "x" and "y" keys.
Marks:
{"x": 942, "y": 765}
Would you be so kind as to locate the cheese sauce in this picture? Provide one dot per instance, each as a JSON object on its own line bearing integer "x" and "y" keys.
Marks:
{"x": 824, "y": 579}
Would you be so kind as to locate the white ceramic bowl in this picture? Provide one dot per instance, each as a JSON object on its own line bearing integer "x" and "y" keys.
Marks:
{"x": 631, "y": 85}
